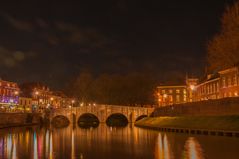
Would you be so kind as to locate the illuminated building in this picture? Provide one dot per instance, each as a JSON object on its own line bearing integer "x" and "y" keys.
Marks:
{"x": 9, "y": 93}
{"x": 208, "y": 88}
{"x": 25, "y": 103}
{"x": 42, "y": 97}
{"x": 229, "y": 80}
{"x": 191, "y": 89}
{"x": 222, "y": 84}
{"x": 39, "y": 93}
{"x": 169, "y": 95}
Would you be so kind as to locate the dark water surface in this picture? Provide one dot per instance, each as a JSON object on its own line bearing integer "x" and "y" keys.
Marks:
{"x": 112, "y": 143}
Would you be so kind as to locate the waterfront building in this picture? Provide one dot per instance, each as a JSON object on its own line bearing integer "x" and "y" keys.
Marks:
{"x": 191, "y": 84}
{"x": 40, "y": 94}
{"x": 221, "y": 84}
{"x": 25, "y": 103}
{"x": 229, "y": 79}
{"x": 169, "y": 95}
{"x": 9, "y": 94}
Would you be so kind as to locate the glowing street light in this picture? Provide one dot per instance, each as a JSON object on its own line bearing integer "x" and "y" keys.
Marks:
{"x": 192, "y": 87}
{"x": 165, "y": 95}
{"x": 16, "y": 92}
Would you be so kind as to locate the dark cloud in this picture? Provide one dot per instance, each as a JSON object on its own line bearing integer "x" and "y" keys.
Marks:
{"x": 86, "y": 37}
{"x": 12, "y": 58}
{"x": 166, "y": 38}
{"x": 19, "y": 24}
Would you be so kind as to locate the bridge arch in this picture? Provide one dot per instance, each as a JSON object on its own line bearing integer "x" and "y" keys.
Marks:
{"x": 117, "y": 119}
{"x": 88, "y": 120}
{"x": 60, "y": 121}
{"x": 141, "y": 117}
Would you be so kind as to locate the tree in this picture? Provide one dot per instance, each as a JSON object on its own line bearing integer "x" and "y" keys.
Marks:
{"x": 223, "y": 49}
{"x": 81, "y": 86}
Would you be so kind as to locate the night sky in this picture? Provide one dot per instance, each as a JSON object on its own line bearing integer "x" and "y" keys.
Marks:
{"x": 54, "y": 41}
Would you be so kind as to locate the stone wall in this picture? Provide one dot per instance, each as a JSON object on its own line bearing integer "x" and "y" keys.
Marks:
{"x": 226, "y": 106}
{"x": 19, "y": 118}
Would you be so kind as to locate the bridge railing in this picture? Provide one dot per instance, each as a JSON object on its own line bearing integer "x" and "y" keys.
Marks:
{"x": 108, "y": 108}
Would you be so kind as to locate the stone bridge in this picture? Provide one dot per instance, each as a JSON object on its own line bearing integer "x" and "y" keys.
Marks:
{"x": 102, "y": 112}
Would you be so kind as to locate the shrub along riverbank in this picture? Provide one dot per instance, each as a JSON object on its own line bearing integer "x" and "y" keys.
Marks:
{"x": 225, "y": 123}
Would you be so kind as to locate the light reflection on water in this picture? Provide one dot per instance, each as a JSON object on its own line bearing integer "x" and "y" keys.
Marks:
{"x": 107, "y": 143}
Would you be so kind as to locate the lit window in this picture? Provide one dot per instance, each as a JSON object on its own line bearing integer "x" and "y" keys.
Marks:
{"x": 235, "y": 80}
{"x": 177, "y": 91}
{"x": 230, "y": 94}
{"x": 184, "y": 91}
{"x": 177, "y": 98}
{"x": 223, "y": 82}
{"x": 235, "y": 94}
{"x": 170, "y": 91}
{"x": 229, "y": 81}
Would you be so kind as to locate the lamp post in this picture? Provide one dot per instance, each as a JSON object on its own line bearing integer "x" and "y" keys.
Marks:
{"x": 72, "y": 102}
{"x": 37, "y": 97}
{"x": 52, "y": 101}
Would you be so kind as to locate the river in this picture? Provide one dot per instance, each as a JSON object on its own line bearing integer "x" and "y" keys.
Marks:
{"x": 106, "y": 142}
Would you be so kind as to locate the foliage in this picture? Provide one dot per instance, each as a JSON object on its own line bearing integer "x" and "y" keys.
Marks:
{"x": 131, "y": 89}
{"x": 223, "y": 49}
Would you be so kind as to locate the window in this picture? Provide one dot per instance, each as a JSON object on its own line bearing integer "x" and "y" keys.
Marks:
{"x": 163, "y": 91}
{"x": 184, "y": 98}
{"x": 229, "y": 81}
{"x": 214, "y": 87}
{"x": 177, "y": 98}
{"x": 177, "y": 91}
{"x": 171, "y": 91}
{"x": 230, "y": 94}
{"x": 184, "y": 91}
{"x": 236, "y": 94}
{"x": 235, "y": 80}
{"x": 223, "y": 82}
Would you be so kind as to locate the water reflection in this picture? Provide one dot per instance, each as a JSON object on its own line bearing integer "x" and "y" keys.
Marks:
{"x": 162, "y": 148}
{"x": 110, "y": 142}
{"x": 193, "y": 149}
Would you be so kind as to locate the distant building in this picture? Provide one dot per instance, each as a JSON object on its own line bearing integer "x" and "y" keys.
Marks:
{"x": 26, "y": 103}
{"x": 221, "y": 84}
{"x": 229, "y": 82}
{"x": 42, "y": 97}
{"x": 9, "y": 93}
{"x": 208, "y": 88}
{"x": 40, "y": 94}
{"x": 191, "y": 84}
{"x": 169, "y": 95}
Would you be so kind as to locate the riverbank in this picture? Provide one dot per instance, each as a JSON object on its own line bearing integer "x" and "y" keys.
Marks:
{"x": 218, "y": 125}
{"x": 19, "y": 119}
{"x": 17, "y": 125}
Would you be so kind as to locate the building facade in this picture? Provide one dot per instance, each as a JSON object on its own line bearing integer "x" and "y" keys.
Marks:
{"x": 222, "y": 84}
{"x": 9, "y": 93}
{"x": 169, "y": 95}
{"x": 25, "y": 103}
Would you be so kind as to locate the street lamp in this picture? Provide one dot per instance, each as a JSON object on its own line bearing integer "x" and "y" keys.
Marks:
{"x": 72, "y": 102}
{"x": 52, "y": 101}
{"x": 37, "y": 97}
